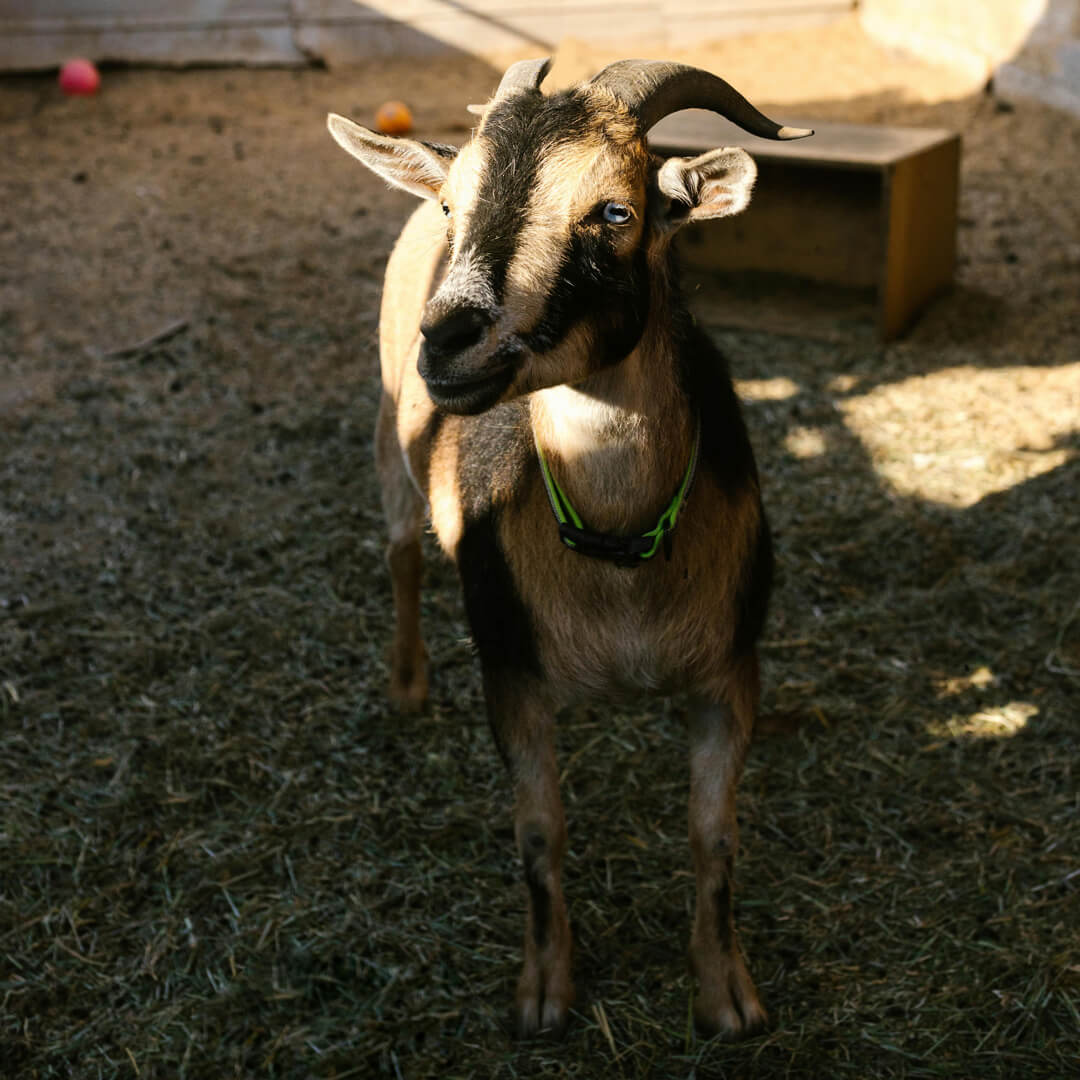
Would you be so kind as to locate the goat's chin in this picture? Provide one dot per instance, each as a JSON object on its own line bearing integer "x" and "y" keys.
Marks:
{"x": 468, "y": 398}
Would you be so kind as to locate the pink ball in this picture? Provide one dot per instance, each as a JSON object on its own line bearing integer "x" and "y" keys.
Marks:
{"x": 79, "y": 77}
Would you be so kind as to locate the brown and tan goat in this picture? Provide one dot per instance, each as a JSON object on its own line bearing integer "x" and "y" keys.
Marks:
{"x": 537, "y": 357}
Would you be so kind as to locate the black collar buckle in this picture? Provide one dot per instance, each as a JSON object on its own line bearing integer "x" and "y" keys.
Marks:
{"x": 624, "y": 551}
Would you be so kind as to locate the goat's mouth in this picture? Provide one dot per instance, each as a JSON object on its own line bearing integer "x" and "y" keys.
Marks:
{"x": 467, "y": 397}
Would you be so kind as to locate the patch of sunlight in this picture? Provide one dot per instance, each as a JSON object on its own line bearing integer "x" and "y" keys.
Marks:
{"x": 958, "y": 435}
{"x": 804, "y": 442}
{"x": 770, "y": 63}
{"x": 1000, "y": 722}
{"x": 778, "y": 389}
{"x": 979, "y": 679}
{"x": 972, "y": 37}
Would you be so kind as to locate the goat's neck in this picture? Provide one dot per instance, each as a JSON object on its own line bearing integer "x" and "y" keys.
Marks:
{"x": 618, "y": 442}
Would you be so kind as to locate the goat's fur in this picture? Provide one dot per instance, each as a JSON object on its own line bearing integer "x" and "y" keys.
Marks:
{"x": 544, "y": 320}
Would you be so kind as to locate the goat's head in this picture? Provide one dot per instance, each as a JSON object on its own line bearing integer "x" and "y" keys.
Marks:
{"x": 557, "y": 215}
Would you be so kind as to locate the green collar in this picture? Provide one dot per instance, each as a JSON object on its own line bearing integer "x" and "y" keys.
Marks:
{"x": 627, "y": 551}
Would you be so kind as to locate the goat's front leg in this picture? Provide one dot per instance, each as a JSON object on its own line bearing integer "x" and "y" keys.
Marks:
{"x": 524, "y": 729}
{"x": 404, "y": 510}
{"x": 727, "y": 1001}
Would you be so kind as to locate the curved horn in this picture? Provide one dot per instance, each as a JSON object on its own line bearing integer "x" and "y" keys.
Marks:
{"x": 524, "y": 75}
{"x": 652, "y": 89}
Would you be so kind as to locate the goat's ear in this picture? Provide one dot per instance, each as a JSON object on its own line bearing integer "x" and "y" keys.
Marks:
{"x": 418, "y": 167}
{"x": 716, "y": 184}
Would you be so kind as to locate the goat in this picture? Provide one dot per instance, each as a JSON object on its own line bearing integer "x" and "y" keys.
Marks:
{"x": 535, "y": 346}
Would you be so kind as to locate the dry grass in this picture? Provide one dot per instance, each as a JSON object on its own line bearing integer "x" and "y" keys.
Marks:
{"x": 221, "y": 855}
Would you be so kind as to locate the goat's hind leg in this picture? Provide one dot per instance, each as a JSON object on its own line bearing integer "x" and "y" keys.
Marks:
{"x": 727, "y": 1001}
{"x": 405, "y": 515}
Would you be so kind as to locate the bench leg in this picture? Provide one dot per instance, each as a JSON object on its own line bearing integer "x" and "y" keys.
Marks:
{"x": 921, "y": 194}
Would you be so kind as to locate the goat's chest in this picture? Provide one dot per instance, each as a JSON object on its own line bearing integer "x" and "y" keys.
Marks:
{"x": 591, "y": 629}
{"x": 611, "y": 632}
{"x": 605, "y": 631}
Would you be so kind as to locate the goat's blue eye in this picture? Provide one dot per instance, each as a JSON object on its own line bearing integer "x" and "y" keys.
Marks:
{"x": 616, "y": 213}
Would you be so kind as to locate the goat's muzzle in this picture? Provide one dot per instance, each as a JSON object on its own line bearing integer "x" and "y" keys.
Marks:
{"x": 461, "y": 374}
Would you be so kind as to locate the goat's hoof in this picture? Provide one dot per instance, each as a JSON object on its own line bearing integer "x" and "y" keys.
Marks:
{"x": 408, "y": 689}
{"x": 409, "y": 699}
{"x": 731, "y": 1012}
{"x": 546, "y": 1020}
{"x": 542, "y": 1011}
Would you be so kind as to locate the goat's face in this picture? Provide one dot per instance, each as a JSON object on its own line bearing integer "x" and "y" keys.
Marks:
{"x": 557, "y": 218}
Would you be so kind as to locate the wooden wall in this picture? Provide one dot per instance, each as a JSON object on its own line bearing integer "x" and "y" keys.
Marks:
{"x": 42, "y": 33}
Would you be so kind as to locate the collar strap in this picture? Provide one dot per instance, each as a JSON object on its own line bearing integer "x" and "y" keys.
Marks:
{"x": 627, "y": 551}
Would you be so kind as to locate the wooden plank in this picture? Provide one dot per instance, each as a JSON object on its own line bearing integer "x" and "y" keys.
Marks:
{"x": 852, "y": 205}
{"x": 45, "y": 33}
{"x": 91, "y": 15}
{"x": 844, "y": 146}
{"x": 921, "y": 199}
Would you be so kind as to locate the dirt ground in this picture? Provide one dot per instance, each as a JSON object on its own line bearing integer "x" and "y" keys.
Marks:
{"x": 222, "y": 855}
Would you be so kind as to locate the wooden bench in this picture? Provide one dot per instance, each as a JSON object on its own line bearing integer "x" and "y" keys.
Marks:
{"x": 852, "y": 205}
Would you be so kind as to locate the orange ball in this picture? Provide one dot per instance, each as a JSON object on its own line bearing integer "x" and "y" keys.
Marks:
{"x": 393, "y": 118}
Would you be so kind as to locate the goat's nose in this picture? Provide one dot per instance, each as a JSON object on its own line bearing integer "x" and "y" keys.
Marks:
{"x": 456, "y": 332}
